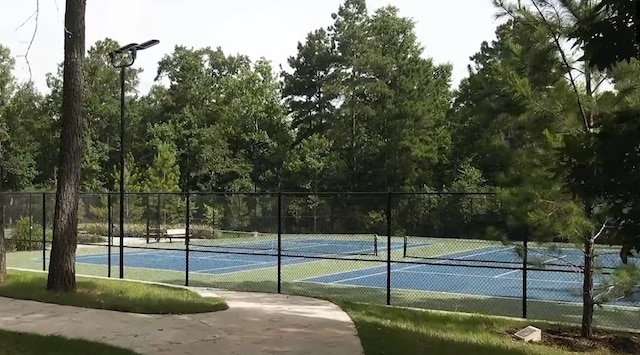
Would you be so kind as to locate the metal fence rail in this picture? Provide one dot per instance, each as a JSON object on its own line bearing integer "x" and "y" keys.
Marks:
{"x": 449, "y": 251}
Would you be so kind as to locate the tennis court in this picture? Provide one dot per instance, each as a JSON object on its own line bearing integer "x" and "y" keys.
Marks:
{"x": 219, "y": 258}
{"x": 481, "y": 272}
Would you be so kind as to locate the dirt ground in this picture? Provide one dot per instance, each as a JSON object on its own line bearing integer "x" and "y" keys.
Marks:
{"x": 255, "y": 323}
{"x": 568, "y": 337}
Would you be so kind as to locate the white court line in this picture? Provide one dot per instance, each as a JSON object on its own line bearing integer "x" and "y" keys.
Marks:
{"x": 538, "y": 300}
{"x": 544, "y": 262}
{"x": 210, "y": 257}
{"x": 407, "y": 267}
{"x": 505, "y": 273}
{"x": 235, "y": 267}
{"x": 488, "y": 277}
{"x": 167, "y": 254}
{"x": 172, "y": 254}
{"x": 253, "y": 269}
{"x": 394, "y": 263}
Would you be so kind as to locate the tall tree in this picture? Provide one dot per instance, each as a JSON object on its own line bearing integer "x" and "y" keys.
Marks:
{"x": 101, "y": 94}
{"x": 6, "y": 87}
{"x": 308, "y": 92}
{"x": 65, "y": 224}
{"x": 364, "y": 84}
{"x": 569, "y": 207}
{"x": 20, "y": 112}
{"x": 488, "y": 116}
{"x": 220, "y": 109}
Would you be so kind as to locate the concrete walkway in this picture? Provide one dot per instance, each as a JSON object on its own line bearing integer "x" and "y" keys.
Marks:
{"x": 255, "y": 323}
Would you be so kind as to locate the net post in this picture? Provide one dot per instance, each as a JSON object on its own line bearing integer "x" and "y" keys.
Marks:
{"x": 186, "y": 237}
{"x": 109, "y": 233}
{"x": 525, "y": 254}
{"x": 44, "y": 231}
{"x": 375, "y": 244}
{"x": 405, "y": 241}
{"x": 388, "y": 248}
{"x": 279, "y": 242}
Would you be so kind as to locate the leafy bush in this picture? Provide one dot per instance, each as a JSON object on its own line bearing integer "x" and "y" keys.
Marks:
{"x": 27, "y": 235}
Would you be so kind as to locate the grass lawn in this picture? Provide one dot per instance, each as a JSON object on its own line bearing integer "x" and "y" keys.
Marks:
{"x": 111, "y": 295}
{"x": 31, "y": 344}
{"x": 387, "y": 331}
{"x": 95, "y": 293}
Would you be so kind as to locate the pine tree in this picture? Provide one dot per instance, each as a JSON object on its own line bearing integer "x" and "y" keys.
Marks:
{"x": 163, "y": 176}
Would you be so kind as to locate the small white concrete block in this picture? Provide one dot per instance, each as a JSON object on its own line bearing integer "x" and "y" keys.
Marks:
{"x": 529, "y": 333}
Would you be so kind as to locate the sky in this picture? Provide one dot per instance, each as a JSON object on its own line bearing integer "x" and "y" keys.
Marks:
{"x": 450, "y": 30}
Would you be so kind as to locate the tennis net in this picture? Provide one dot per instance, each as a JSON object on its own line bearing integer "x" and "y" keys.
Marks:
{"x": 300, "y": 244}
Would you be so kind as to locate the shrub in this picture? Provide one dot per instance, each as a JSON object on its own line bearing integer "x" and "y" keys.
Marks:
{"x": 27, "y": 235}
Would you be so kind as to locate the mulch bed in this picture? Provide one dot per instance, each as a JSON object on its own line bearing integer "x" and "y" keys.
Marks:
{"x": 568, "y": 338}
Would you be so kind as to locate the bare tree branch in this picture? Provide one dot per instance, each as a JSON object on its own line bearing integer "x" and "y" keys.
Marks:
{"x": 600, "y": 82}
{"x": 604, "y": 225}
{"x": 35, "y": 14}
{"x": 563, "y": 55}
{"x": 510, "y": 11}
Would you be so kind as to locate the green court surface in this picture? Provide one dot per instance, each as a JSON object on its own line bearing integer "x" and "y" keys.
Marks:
{"x": 310, "y": 275}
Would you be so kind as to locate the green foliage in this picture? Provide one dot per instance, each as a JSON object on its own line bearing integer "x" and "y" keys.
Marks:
{"x": 609, "y": 35}
{"x": 27, "y": 235}
{"x": 20, "y": 109}
{"x": 238, "y": 213}
{"x": 164, "y": 176}
{"x": 376, "y": 221}
{"x": 213, "y": 216}
{"x": 391, "y": 117}
{"x": 122, "y": 296}
{"x": 364, "y": 108}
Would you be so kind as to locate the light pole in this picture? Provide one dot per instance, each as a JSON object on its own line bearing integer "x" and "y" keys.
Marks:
{"x": 129, "y": 52}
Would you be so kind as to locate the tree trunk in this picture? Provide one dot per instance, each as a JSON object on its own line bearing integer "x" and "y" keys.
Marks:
{"x": 3, "y": 251}
{"x": 65, "y": 223}
{"x": 587, "y": 289}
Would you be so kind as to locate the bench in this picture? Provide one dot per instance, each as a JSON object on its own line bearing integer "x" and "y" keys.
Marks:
{"x": 158, "y": 233}
{"x": 176, "y": 233}
{"x": 155, "y": 233}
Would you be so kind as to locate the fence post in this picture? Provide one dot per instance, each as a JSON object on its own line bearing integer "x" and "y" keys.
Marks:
{"x": 44, "y": 231}
{"x": 121, "y": 222}
{"x": 30, "y": 221}
{"x": 147, "y": 217}
{"x": 109, "y": 233}
{"x": 186, "y": 239}
{"x": 525, "y": 254}
{"x": 388, "y": 248}
{"x": 279, "y": 242}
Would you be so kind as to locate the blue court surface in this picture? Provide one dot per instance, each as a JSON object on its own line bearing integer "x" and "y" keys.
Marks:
{"x": 473, "y": 280}
{"x": 236, "y": 257}
{"x": 456, "y": 273}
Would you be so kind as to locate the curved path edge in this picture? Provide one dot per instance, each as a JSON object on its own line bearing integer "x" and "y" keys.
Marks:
{"x": 255, "y": 323}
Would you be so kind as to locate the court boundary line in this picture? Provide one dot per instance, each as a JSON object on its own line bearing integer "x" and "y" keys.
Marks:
{"x": 462, "y": 295}
{"x": 166, "y": 254}
{"x": 404, "y": 269}
{"x": 163, "y": 252}
{"x": 200, "y": 272}
{"x": 182, "y": 272}
{"x": 620, "y": 307}
{"x": 483, "y": 277}
{"x": 411, "y": 265}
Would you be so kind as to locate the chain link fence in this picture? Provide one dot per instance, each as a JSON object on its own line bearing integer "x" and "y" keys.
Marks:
{"x": 446, "y": 251}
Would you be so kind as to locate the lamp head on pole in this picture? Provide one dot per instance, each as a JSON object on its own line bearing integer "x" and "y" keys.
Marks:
{"x": 131, "y": 49}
